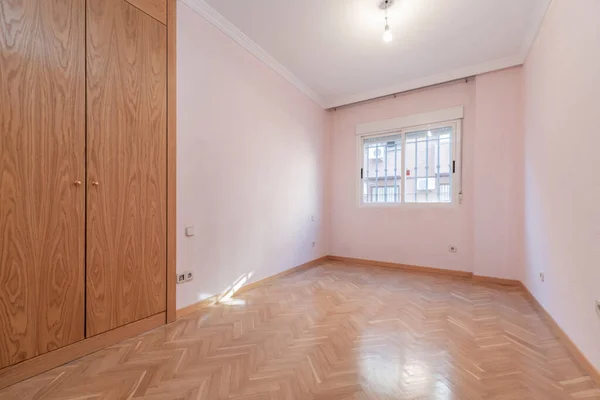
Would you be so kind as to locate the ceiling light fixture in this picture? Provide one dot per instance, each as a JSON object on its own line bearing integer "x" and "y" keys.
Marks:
{"x": 387, "y": 33}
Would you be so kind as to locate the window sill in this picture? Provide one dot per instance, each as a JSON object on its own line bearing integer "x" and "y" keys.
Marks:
{"x": 411, "y": 206}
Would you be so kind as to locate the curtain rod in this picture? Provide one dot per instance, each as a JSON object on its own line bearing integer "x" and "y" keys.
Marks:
{"x": 394, "y": 95}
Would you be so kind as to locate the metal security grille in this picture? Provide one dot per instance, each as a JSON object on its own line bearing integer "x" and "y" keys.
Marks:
{"x": 409, "y": 166}
{"x": 382, "y": 169}
{"x": 429, "y": 166}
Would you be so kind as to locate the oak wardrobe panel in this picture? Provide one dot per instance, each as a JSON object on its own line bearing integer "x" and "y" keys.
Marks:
{"x": 42, "y": 167}
{"x": 157, "y": 9}
{"x": 126, "y": 149}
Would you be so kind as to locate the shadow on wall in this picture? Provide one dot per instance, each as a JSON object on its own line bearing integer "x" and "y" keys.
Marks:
{"x": 226, "y": 296}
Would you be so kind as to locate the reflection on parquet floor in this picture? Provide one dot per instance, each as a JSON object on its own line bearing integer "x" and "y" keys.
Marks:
{"x": 337, "y": 332}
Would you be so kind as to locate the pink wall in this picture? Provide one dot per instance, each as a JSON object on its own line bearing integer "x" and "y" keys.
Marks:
{"x": 410, "y": 235}
{"x": 251, "y": 165}
{"x": 485, "y": 228}
{"x": 562, "y": 185}
{"x": 498, "y": 177}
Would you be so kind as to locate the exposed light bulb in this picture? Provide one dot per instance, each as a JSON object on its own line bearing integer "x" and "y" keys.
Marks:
{"x": 429, "y": 133}
{"x": 387, "y": 34}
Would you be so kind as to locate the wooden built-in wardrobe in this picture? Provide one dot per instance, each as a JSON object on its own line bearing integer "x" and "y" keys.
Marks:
{"x": 84, "y": 176}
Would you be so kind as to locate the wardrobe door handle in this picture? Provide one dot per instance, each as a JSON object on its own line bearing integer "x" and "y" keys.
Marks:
{"x": 95, "y": 183}
{"x": 77, "y": 183}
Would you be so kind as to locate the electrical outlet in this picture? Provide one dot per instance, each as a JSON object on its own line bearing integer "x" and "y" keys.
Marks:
{"x": 598, "y": 307}
{"x": 452, "y": 249}
{"x": 189, "y": 231}
{"x": 542, "y": 276}
{"x": 189, "y": 275}
{"x": 181, "y": 278}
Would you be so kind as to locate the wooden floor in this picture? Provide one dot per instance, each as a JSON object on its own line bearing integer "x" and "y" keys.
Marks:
{"x": 337, "y": 332}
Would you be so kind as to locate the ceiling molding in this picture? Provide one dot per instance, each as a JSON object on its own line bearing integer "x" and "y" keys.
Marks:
{"x": 222, "y": 24}
{"x": 429, "y": 81}
{"x": 534, "y": 29}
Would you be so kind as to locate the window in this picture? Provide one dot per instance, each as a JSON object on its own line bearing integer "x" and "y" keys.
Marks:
{"x": 382, "y": 166}
{"x": 415, "y": 165}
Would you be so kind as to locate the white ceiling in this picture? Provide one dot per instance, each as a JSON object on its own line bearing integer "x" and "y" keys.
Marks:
{"x": 333, "y": 50}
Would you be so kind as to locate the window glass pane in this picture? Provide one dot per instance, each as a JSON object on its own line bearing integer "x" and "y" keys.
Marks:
{"x": 382, "y": 164}
{"x": 429, "y": 166}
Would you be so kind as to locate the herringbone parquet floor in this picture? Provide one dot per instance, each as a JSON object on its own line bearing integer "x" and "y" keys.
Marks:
{"x": 337, "y": 331}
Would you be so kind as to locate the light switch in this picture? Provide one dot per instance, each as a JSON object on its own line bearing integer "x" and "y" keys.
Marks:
{"x": 189, "y": 231}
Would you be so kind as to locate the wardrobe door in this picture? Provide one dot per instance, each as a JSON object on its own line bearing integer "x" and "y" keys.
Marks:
{"x": 126, "y": 211}
{"x": 42, "y": 166}
{"x": 157, "y": 9}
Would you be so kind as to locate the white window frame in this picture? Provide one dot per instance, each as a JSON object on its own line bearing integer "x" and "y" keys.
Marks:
{"x": 387, "y": 128}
